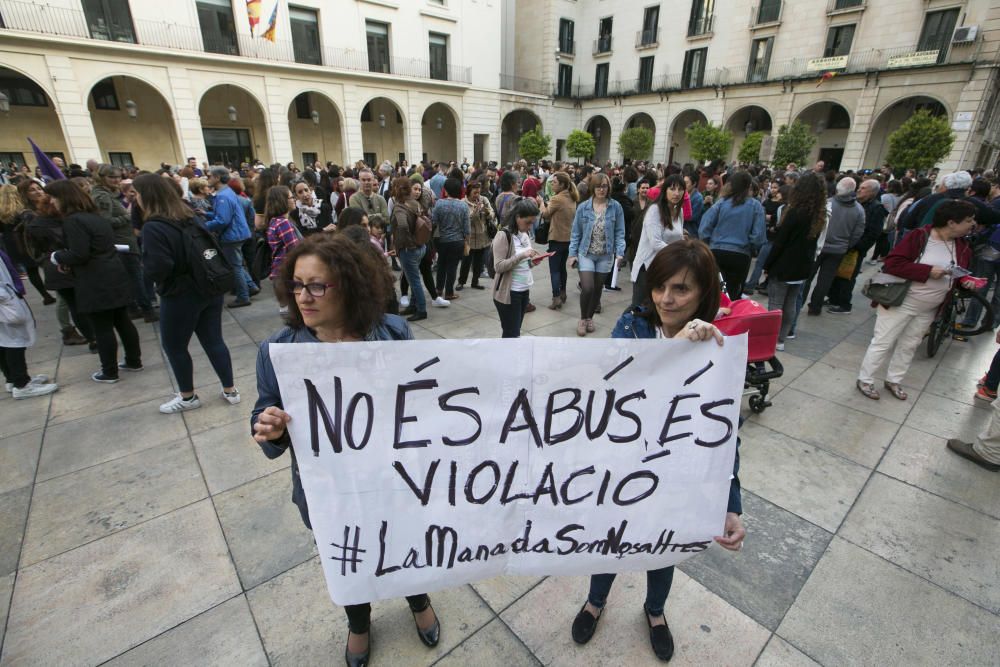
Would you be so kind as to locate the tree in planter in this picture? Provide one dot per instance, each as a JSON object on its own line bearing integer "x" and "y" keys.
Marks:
{"x": 636, "y": 143}
{"x": 534, "y": 144}
{"x": 794, "y": 144}
{"x": 750, "y": 150}
{"x": 920, "y": 143}
{"x": 581, "y": 144}
{"x": 709, "y": 142}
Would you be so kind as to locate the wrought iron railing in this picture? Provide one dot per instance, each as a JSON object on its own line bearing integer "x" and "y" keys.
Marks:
{"x": 602, "y": 45}
{"x": 701, "y": 26}
{"x": 647, "y": 38}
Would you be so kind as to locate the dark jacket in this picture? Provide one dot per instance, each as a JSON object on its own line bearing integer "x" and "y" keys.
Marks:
{"x": 110, "y": 208}
{"x": 164, "y": 258}
{"x": 875, "y": 215}
{"x": 792, "y": 251}
{"x": 915, "y": 214}
{"x": 392, "y": 327}
{"x": 101, "y": 281}
{"x": 44, "y": 237}
{"x": 634, "y": 323}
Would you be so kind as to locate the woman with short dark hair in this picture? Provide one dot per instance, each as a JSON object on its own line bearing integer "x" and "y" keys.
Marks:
{"x": 512, "y": 255}
{"x": 103, "y": 289}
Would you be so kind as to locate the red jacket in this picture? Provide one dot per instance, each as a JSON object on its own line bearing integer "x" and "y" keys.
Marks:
{"x": 902, "y": 261}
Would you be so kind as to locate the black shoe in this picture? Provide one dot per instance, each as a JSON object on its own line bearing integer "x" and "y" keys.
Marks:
{"x": 150, "y": 316}
{"x": 416, "y": 317}
{"x": 254, "y": 291}
{"x": 432, "y": 635}
{"x": 839, "y": 310}
{"x": 237, "y": 303}
{"x": 815, "y": 312}
{"x": 459, "y": 288}
{"x": 660, "y": 638}
{"x": 48, "y": 300}
{"x": 584, "y": 625}
{"x": 101, "y": 377}
{"x": 409, "y": 310}
{"x": 132, "y": 369}
{"x": 477, "y": 286}
{"x": 358, "y": 659}
{"x": 92, "y": 346}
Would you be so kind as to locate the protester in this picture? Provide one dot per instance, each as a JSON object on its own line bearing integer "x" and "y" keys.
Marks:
{"x": 481, "y": 224}
{"x": 662, "y": 225}
{"x": 559, "y": 211}
{"x": 17, "y": 333}
{"x": 680, "y": 302}
{"x": 229, "y": 224}
{"x": 452, "y": 226}
{"x": 845, "y": 228}
{"x": 597, "y": 242}
{"x": 332, "y": 299}
{"x": 101, "y": 284}
{"x": 184, "y": 309}
{"x": 925, "y": 257}
{"x": 734, "y": 229}
{"x": 307, "y": 211}
{"x": 13, "y": 222}
{"x": 842, "y": 289}
{"x": 512, "y": 258}
{"x": 405, "y": 212}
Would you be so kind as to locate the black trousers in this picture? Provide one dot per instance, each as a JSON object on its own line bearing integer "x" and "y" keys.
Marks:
{"x": 14, "y": 366}
{"x": 512, "y": 314}
{"x": 106, "y": 323}
{"x": 824, "y": 271}
{"x": 359, "y": 615}
{"x": 449, "y": 257}
{"x": 82, "y": 322}
{"x": 734, "y": 267}
{"x": 133, "y": 265}
{"x": 474, "y": 260}
{"x": 842, "y": 289}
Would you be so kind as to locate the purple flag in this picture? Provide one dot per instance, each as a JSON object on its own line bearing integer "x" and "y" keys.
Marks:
{"x": 49, "y": 168}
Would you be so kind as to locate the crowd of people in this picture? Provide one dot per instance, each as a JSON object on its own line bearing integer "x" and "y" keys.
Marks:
{"x": 356, "y": 253}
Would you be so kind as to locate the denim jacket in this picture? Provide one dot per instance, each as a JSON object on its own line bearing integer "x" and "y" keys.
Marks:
{"x": 740, "y": 228}
{"x": 392, "y": 327}
{"x": 634, "y": 323}
{"x": 228, "y": 220}
{"x": 583, "y": 225}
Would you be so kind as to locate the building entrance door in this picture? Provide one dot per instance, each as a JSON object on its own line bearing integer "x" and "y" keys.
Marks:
{"x": 832, "y": 157}
{"x": 228, "y": 146}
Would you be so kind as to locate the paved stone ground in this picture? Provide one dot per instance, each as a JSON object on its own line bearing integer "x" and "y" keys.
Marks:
{"x": 133, "y": 538}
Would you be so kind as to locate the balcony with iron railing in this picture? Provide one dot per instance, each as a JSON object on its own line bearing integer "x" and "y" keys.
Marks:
{"x": 701, "y": 27}
{"x": 567, "y": 47}
{"x": 766, "y": 14}
{"x": 845, "y": 6}
{"x": 21, "y": 16}
{"x": 602, "y": 45}
{"x": 647, "y": 39}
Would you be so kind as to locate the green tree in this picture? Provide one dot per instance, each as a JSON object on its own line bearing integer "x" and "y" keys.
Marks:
{"x": 794, "y": 144}
{"x": 534, "y": 144}
{"x": 580, "y": 144}
{"x": 750, "y": 150}
{"x": 921, "y": 142}
{"x": 709, "y": 142}
{"x": 636, "y": 143}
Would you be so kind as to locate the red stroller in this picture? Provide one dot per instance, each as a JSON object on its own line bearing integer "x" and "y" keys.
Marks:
{"x": 762, "y": 365}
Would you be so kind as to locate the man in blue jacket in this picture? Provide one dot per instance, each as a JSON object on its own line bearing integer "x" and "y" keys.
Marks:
{"x": 229, "y": 223}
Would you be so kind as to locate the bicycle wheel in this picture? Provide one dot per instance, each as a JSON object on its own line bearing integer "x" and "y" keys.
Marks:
{"x": 941, "y": 328}
{"x": 986, "y": 324}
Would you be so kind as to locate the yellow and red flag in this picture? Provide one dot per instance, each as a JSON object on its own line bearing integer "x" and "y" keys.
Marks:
{"x": 260, "y": 26}
{"x": 825, "y": 77}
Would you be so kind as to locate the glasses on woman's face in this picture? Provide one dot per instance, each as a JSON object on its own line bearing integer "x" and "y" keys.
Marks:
{"x": 602, "y": 186}
{"x": 315, "y": 290}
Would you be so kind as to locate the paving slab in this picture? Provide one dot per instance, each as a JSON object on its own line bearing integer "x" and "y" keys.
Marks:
{"x": 223, "y": 636}
{"x": 103, "y": 437}
{"x": 90, "y": 604}
{"x": 18, "y": 459}
{"x": 810, "y": 345}
{"x": 86, "y": 398}
{"x": 779, "y": 653}
{"x": 840, "y": 386}
{"x": 706, "y": 629}
{"x": 855, "y": 435}
{"x": 949, "y": 544}
{"x": 762, "y": 580}
{"x": 22, "y": 416}
{"x": 500, "y": 592}
{"x": 859, "y": 609}
{"x": 946, "y": 418}
{"x": 229, "y": 457}
{"x": 88, "y": 504}
{"x": 264, "y": 529}
{"x": 6, "y": 589}
{"x": 801, "y": 478}
{"x": 492, "y": 646}
{"x": 216, "y": 411}
{"x": 13, "y": 516}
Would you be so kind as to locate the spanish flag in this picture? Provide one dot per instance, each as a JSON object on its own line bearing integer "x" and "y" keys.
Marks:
{"x": 256, "y": 9}
{"x": 825, "y": 77}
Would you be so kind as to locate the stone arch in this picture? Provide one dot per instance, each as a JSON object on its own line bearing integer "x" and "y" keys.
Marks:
{"x": 830, "y": 121}
{"x": 33, "y": 114}
{"x": 680, "y": 149}
{"x": 640, "y": 119}
{"x": 890, "y": 117}
{"x": 513, "y": 125}
{"x": 747, "y": 119}
{"x": 439, "y": 127}
{"x": 316, "y": 128}
{"x": 599, "y": 126}
{"x": 233, "y": 139}
{"x": 133, "y": 121}
{"x": 383, "y": 130}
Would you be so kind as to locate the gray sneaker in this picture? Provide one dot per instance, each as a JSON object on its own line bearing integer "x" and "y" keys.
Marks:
{"x": 32, "y": 389}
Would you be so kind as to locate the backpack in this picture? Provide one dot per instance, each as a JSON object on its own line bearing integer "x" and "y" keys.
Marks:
{"x": 210, "y": 272}
{"x": 488, "y": 261}
{"x": 422, "y": 229}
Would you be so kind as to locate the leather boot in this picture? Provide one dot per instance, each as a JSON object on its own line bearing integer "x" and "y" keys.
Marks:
{"x": 72, "y": 337}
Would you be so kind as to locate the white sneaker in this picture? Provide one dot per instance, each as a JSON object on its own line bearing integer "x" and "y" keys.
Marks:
{"x": 37, "y": 379}
{"x": 404, "y": 301}
{"x": 232, "y": 398}
{"x": 179, "y": 404}
{"x": 34, "y": 389}
{"x": 780, "y": 347}
{"x": 440, "y": 302}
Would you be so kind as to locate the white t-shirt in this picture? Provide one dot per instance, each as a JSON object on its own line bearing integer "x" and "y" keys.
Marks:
{"x": 933, "y": 292}
{"x": 521, "y": 278}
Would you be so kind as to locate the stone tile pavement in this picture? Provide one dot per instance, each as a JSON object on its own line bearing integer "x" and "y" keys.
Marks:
{"x": 132, "y": 538}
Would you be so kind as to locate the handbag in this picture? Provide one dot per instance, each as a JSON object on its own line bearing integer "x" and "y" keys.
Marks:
{"x": 888, "y": 290}
{"x": 847, "y": 265}
{"x": 542, "y": 233}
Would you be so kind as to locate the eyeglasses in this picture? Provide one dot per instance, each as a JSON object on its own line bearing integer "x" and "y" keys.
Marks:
{"x": 315, "y": 290}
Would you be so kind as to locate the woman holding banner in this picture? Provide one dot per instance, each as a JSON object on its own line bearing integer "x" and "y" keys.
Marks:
{"x": 681, "y": 299}
{"x": 335, "y": 294}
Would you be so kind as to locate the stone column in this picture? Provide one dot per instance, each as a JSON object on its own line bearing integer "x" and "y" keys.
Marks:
{"x": 186, "y": 116}
{"x": 276, "y": 119}
{"x": 860, "y": 133}
{"x": 71, "y": 107}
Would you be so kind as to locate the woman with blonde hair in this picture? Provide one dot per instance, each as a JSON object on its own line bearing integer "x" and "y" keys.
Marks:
{"x": 559, "y": 211}
{"x": 13, "y": 219}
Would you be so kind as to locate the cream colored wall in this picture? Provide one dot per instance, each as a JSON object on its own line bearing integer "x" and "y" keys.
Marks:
{"x": 151, "y": 137}
{"x": 249, "y": 115}
{"x": 440, "y": 145}
{"x": 325, "y": 139}
{"x": 386, "y": 142}
{"x": 681, "y": 146}
{"x": 39, "y": 123}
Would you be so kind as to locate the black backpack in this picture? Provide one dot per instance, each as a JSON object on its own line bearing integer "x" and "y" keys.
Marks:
{"x": 210, "y": 272}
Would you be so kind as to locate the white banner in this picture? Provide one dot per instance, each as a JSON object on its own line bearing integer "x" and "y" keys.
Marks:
{"x": 428, "y": 464}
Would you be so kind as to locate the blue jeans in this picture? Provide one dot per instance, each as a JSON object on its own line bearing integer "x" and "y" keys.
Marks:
{"x": 657, "y": 589}
{"x": 758, "y": 268}
{"x": 557, "y": 266}
{"x": 410, "y": 261}
{"x": 233, "y": 253}
{"x": 989, "y": 269}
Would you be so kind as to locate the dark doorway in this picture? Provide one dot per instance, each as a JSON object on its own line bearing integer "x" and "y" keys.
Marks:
{"x": 228, "y": 146}
{"x": 832, "y": 157}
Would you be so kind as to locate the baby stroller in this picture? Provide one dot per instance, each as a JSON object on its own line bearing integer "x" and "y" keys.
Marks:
{"x": 762, "y": 366}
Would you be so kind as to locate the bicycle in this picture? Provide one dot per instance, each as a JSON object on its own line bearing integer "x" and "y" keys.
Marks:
{"x": 953, "y": 308}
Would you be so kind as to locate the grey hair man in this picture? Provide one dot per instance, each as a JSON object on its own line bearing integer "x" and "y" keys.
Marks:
{"x": 843, "y": 288}
{"x": 845, "y": 227}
